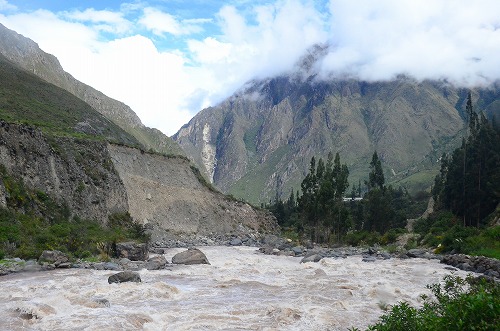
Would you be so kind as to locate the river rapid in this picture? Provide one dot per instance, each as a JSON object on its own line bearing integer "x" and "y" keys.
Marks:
{"x": 241, "y": 290}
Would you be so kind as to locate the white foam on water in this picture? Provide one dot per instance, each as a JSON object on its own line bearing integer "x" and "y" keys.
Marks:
{"x": 240, "y": 290}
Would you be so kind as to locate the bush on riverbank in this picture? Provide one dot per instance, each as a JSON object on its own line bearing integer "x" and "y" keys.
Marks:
{"x": 34, "y": 222}
{"x": 457, "y": 304}
{"x": 443, "y": 230}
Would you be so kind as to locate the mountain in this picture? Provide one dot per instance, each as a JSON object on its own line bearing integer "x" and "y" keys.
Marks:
{"x": 56, "y": 147}
{"x": 28, "y": 99}
{"x": 260, "y": 140}
{"x": 26, "y": 53}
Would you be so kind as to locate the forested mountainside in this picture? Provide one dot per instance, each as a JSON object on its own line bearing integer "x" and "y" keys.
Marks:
{"x": 259, "y": 141}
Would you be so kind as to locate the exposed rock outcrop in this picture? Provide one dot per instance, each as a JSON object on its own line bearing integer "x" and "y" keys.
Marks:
{"x": 57, "y": 258}
{"x": 78, "y": 173}
{"x": 165, "y": 194}
{"x": 96, "y": 179}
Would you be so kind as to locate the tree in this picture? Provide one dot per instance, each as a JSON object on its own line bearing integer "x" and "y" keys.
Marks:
{"x": 321, "y": 202}
{"x": 376, "y": 177}
{"x": 380, "y": 214}
{"x": 469, "y": 181}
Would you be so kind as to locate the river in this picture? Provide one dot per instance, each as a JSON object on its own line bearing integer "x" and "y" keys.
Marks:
{"x": 240, "y": 290}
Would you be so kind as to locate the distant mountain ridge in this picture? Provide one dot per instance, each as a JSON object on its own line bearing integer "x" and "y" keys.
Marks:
{"x": 260, "y": 140}
{"x": 29, "y": 56}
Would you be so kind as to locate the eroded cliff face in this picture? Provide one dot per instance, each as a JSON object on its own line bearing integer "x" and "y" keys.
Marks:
{"x": 78, "y": 173}
{"x": 96, "y": 179}
{"x": 166, "y": 195}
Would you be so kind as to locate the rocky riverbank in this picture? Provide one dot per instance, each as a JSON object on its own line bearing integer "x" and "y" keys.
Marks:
{"x": 131, "y": 260}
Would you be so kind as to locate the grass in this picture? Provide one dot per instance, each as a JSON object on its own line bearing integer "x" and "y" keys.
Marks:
{"x": 27, "y": 99}
{"x": 249, "y": 187}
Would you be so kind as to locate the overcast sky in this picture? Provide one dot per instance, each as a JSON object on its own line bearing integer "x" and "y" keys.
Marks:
{"x": 168, "y": 59}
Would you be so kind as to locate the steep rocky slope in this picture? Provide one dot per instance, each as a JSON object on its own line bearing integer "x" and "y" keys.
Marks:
{"x": 166, "y": 194}
{"x": 75, "y": 172}
{"x": 261, "y": 139}
{"x": 29, "y": 56}
{"x": 95, "y": 179}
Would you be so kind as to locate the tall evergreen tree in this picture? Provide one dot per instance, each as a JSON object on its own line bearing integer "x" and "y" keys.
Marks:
{"x": 376, "y": 177}
{"x": 321, "y": 201}
{"x": 469, "y": 181}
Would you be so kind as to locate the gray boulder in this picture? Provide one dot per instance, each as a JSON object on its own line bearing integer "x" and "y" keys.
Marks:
{"x": 56, "y": 258}
{"x": 415, "y": 253}
{"x": 236, "y": 242}
{"x": 312, "y": 258}
{"x": 124, "y": 276}
{"x": 156, "y": 263}
{"x": 191, "y": 256}
{"x": 101, "y": 302}
{"x": 111, "y": 266}
{"x": 132, "y": 251}
{"x": 369, "y": 259}
{"x": 297, "y": 250}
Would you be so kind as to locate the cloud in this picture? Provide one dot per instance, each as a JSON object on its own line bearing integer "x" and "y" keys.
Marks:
{"x": 261, "y": 42}
{"x": 160, "y": 23}
{"x": 454, "y": 40}
{"x": 117, "y": 52}
{"x": 106, "y": 20}
{"x": 4, "y": 5}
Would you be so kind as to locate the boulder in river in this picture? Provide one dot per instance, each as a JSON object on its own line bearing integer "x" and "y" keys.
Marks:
{"x": 132, "y": 251}
{"x": 56, "y": 258}
{"x": 236, "y": 242}
{"x": 156, "y": 263}
{"x": 191, "y": 256}
{"x": 312, "y": 258}
{"x": 125, "y": 276}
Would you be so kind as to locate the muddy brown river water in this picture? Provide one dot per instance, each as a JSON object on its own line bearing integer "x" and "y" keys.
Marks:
{"x": 240, "y": 290}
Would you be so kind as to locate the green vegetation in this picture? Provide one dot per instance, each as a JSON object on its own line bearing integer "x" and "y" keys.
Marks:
{"x": 444, "y": 231}
{"x": 249, "y": 186}
{"x": 27, "y": 99}
{"x": 321, "y": 213}
{"x": 33, "y": 222}
{"x": 457, "y": 304}
{"x": 466, "y": 192}
{"x": 468, "y": 183}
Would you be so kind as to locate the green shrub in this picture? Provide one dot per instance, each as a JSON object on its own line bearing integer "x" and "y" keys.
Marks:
{"x": 391, "y": 236}
{"x": 357, "y": 238}
{"x": 457, "y": 304}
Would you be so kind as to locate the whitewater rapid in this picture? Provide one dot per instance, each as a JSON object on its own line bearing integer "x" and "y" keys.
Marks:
{"x": 241, "y": 290}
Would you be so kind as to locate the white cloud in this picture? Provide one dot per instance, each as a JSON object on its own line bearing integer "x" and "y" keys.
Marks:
{"x": 106, "y": 20}
{"x": 160, "y": 22}
{"x": 280, "y": 34}
{"x": 457, "y": 40}
{"x": 427, "y": 39}
{"x": 4, "y": 5}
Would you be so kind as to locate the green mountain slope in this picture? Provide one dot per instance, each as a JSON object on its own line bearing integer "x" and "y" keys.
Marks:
{"x": 25, "y": 98}
{"x": 260, "y": 140}
{"x": 26, "y": 53}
